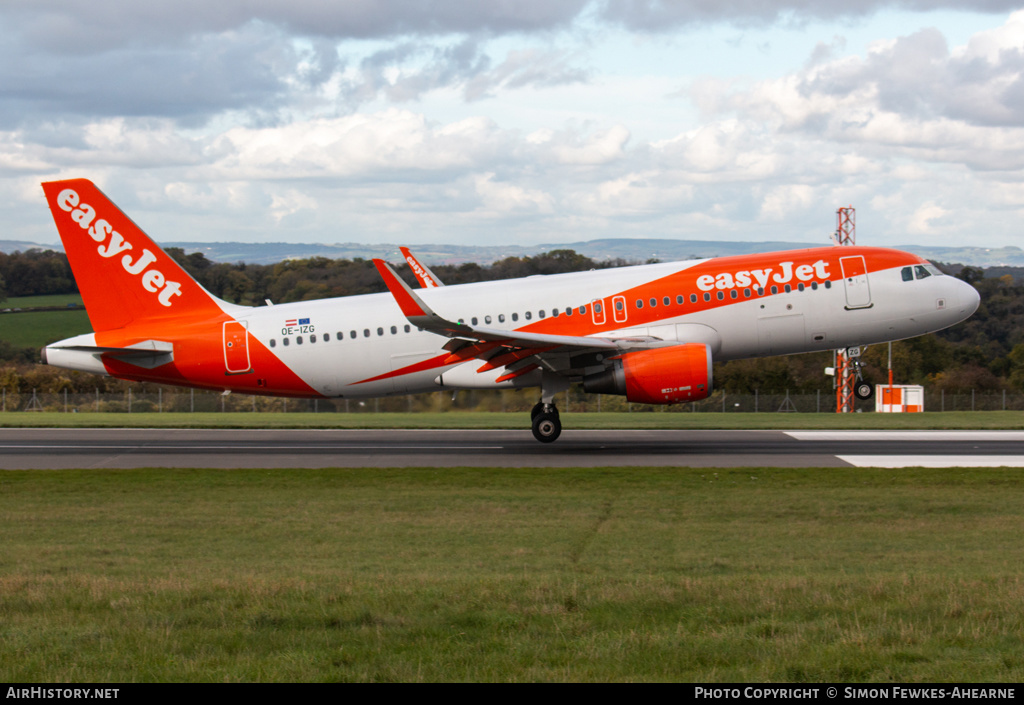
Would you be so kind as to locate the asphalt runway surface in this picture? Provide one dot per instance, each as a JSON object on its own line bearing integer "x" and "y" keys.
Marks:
{"x": 246, "y": 448}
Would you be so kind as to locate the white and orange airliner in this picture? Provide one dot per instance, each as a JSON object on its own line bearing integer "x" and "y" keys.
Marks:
{"x": 647, "y": 332}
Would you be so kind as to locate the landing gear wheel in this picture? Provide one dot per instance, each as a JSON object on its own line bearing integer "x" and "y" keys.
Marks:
{"x": 863, "y": 391}
{"x": 547, "y": 427}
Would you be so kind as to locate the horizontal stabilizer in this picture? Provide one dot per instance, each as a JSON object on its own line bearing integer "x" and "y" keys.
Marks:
{"x": 147, "y": 354}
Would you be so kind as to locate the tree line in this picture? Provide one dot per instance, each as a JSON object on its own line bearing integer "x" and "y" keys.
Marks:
{"x": 984, "y": 353}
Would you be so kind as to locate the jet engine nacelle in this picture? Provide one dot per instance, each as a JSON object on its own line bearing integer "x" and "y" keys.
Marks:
{"x": 669, "y": 375}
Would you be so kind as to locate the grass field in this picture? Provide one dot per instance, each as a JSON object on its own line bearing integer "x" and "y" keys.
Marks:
{"x": 26, "y": 302}
{"x": 984, "y": 420}
{"x": 469, "y": 574}
{"x": 39, "y": 328}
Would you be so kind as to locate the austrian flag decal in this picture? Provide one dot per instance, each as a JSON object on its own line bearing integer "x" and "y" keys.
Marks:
{"x": 294, "y": 326}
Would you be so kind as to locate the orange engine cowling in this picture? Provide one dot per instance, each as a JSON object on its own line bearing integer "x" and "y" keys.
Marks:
{"x": 670, "y": 375}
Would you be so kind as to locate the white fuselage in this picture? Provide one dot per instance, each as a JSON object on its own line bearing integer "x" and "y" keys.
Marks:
{"x": 348, "y": 341}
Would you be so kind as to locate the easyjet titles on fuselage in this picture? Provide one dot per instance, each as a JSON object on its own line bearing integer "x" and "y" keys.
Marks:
{"x": 762, "y": 277}
{"x": 113, "y": 243}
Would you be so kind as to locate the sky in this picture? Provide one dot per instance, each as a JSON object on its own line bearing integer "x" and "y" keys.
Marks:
{"x": 519, "y": 121}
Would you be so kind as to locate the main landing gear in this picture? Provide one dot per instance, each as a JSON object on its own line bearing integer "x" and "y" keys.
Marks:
{"x": 546, "y": 424}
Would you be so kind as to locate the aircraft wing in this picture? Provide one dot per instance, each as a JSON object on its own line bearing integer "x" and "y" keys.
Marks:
{"x": 426, "y": 278}
{"x": 502, "y": 348}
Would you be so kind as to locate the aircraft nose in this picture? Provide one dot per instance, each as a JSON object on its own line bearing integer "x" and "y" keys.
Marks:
{"x": 969, "y": 298}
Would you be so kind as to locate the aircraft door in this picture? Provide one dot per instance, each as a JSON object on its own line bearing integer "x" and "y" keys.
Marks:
{"x": 597, "y": 311}
{"x": 236, "y": 348}
{"x": 619, "y": 309}
{"x": 855, "y": 281}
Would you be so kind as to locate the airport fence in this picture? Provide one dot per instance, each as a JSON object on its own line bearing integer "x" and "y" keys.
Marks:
{"x": 150, "y": 399}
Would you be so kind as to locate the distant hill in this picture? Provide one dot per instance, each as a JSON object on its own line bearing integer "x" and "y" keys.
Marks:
{"x": 637, "y": 250}
{"x": 8, "y": 246}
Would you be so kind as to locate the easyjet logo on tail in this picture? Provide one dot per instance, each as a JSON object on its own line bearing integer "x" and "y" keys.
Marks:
{"x": 112, "y": 243}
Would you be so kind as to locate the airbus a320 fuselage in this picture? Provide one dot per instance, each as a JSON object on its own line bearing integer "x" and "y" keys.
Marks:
{"x": 650, "y": 332}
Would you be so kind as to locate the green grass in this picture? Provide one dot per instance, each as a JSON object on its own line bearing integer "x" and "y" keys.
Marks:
{"x": 39, "y": 328}
{"x": 25, "y": 302}
{"x": 465, "y": 574}
{"x": 36, "y": 329}
{"x": 982, "y": 420}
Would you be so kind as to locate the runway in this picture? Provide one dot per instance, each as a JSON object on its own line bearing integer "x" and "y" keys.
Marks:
{"x": 243, "y": 448}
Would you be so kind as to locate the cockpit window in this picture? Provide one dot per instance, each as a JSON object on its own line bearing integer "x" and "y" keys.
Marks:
{"x": 920, "y": 271}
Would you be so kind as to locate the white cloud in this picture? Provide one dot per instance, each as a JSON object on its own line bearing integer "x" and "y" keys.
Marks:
{"x": 923, "y": 221}
{"x": 498, "y": 199}
{"x": 599, "y": 148}
{"x": 466, "y": 121}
